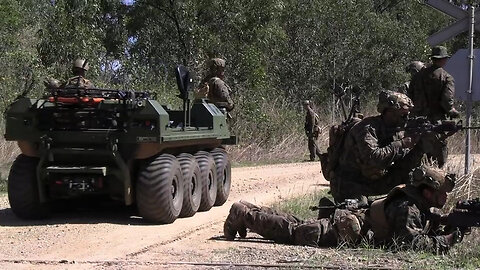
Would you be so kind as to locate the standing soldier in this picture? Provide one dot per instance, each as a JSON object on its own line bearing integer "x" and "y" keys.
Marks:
{"x": 311, "y": 129}
{"x": 218, "y": 92}
{"x": 412, "y": 68}
{"x": 432, "y": 91}
{"x": 80, "y": 67}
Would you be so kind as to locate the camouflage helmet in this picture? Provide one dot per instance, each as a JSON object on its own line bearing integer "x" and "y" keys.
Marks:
{"x": 433, "y": 177}
{"x": 414, "y": 66}
{"x": 80, "y": 63}
{"x": 215, "y": 64}
{"x": 393, "y": 100}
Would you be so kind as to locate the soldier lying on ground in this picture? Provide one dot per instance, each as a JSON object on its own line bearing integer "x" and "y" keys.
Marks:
{"x": 405, "y": 217}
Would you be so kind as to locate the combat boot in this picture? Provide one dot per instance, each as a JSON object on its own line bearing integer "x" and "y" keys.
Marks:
{"x": 235, "y": 221}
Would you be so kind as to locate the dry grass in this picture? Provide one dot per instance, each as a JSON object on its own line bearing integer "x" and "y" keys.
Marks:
{"x": 291, "y": 147}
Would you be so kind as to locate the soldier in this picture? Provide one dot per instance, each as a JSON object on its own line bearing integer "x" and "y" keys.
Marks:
{"x": 377, "y": 155}
{"x": 432, "y": 91}
{"x": 433, "y": 88}
{"x": 80, "y": 66}
{"x": 404, "y": 217}
{"x": 312, "y": 130}
{"x": 218, "y": 92}
{"x": 412, "y": 68}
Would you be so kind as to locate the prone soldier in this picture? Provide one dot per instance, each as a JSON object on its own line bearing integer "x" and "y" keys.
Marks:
{"x": 404, "y": 216}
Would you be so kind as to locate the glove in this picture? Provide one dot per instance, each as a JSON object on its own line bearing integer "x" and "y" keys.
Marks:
{"x": 453, "y": 113}
{"x": 51, "y": 83}
{"x": 410, "y": 142}
{"x": 455, "y": 237}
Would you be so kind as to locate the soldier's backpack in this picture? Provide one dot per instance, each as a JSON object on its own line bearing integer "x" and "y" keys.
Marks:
{"x": 336, "y": 141}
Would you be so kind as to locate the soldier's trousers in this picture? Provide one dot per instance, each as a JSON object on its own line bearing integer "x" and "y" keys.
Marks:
{"x": 313, "y": 147}
{"x": 288, "y": 229}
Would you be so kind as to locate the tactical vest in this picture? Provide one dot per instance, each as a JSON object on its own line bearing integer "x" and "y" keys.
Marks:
{"x": 379, "y": 223}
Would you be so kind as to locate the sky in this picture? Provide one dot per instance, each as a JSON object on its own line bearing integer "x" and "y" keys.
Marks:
{"x": 128, "y": 2}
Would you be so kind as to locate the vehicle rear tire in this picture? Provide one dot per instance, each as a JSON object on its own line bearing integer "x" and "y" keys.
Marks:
{"x": 159, "y": 190}
{"x": 224, "y": 175}
{"x": 23, "y": 189}
{"x": 208, "y": 179}
{"x": 192, "y": 185}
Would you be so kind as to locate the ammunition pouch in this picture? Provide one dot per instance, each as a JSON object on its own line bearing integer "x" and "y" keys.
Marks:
{"x": 347, "y": 225}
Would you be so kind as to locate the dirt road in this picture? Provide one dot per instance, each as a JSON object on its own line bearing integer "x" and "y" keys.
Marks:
{"x": 112, "y": 237}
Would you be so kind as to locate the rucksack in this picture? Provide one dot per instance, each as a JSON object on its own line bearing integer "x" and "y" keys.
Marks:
{"x": 336, "y": 140}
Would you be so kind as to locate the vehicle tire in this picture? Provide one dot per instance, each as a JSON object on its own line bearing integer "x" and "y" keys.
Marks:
{"x": 23, "y": 189}
{"x": 224, "y": 175}
{"x": 159, "y": 190}
{"x": 208, "y": 178}
{"x": 192, "y": 191}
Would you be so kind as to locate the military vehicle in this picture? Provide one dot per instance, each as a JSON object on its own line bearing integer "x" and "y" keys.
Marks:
{"x": 88, "y": 143}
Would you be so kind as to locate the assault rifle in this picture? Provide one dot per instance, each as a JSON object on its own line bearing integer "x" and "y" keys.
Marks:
{"x": 326, "y": 207}
{"x": 466, "y": 214}
{"x": 421, "y": 125}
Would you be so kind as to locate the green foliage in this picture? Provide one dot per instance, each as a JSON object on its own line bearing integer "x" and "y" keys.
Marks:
{"x": 278, "y": 51}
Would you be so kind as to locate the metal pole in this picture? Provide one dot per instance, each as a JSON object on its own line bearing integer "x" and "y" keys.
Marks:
{"x": 468, "y": 119}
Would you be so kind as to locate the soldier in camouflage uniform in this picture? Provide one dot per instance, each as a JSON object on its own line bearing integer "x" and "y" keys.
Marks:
{"x": 218, "y": 90}
{"x": 404, "y": 216}
{"x": 312, "y": 130}
{"x": 377, "y": 154}
{"x": 80, "y": 67}
{"x": 412, "y": 68}
{"x": 410, "y": 213}
{"x": 432, "y": 92}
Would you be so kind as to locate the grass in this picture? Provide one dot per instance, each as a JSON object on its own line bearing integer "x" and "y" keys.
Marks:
{"x": 300, "y": 205}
